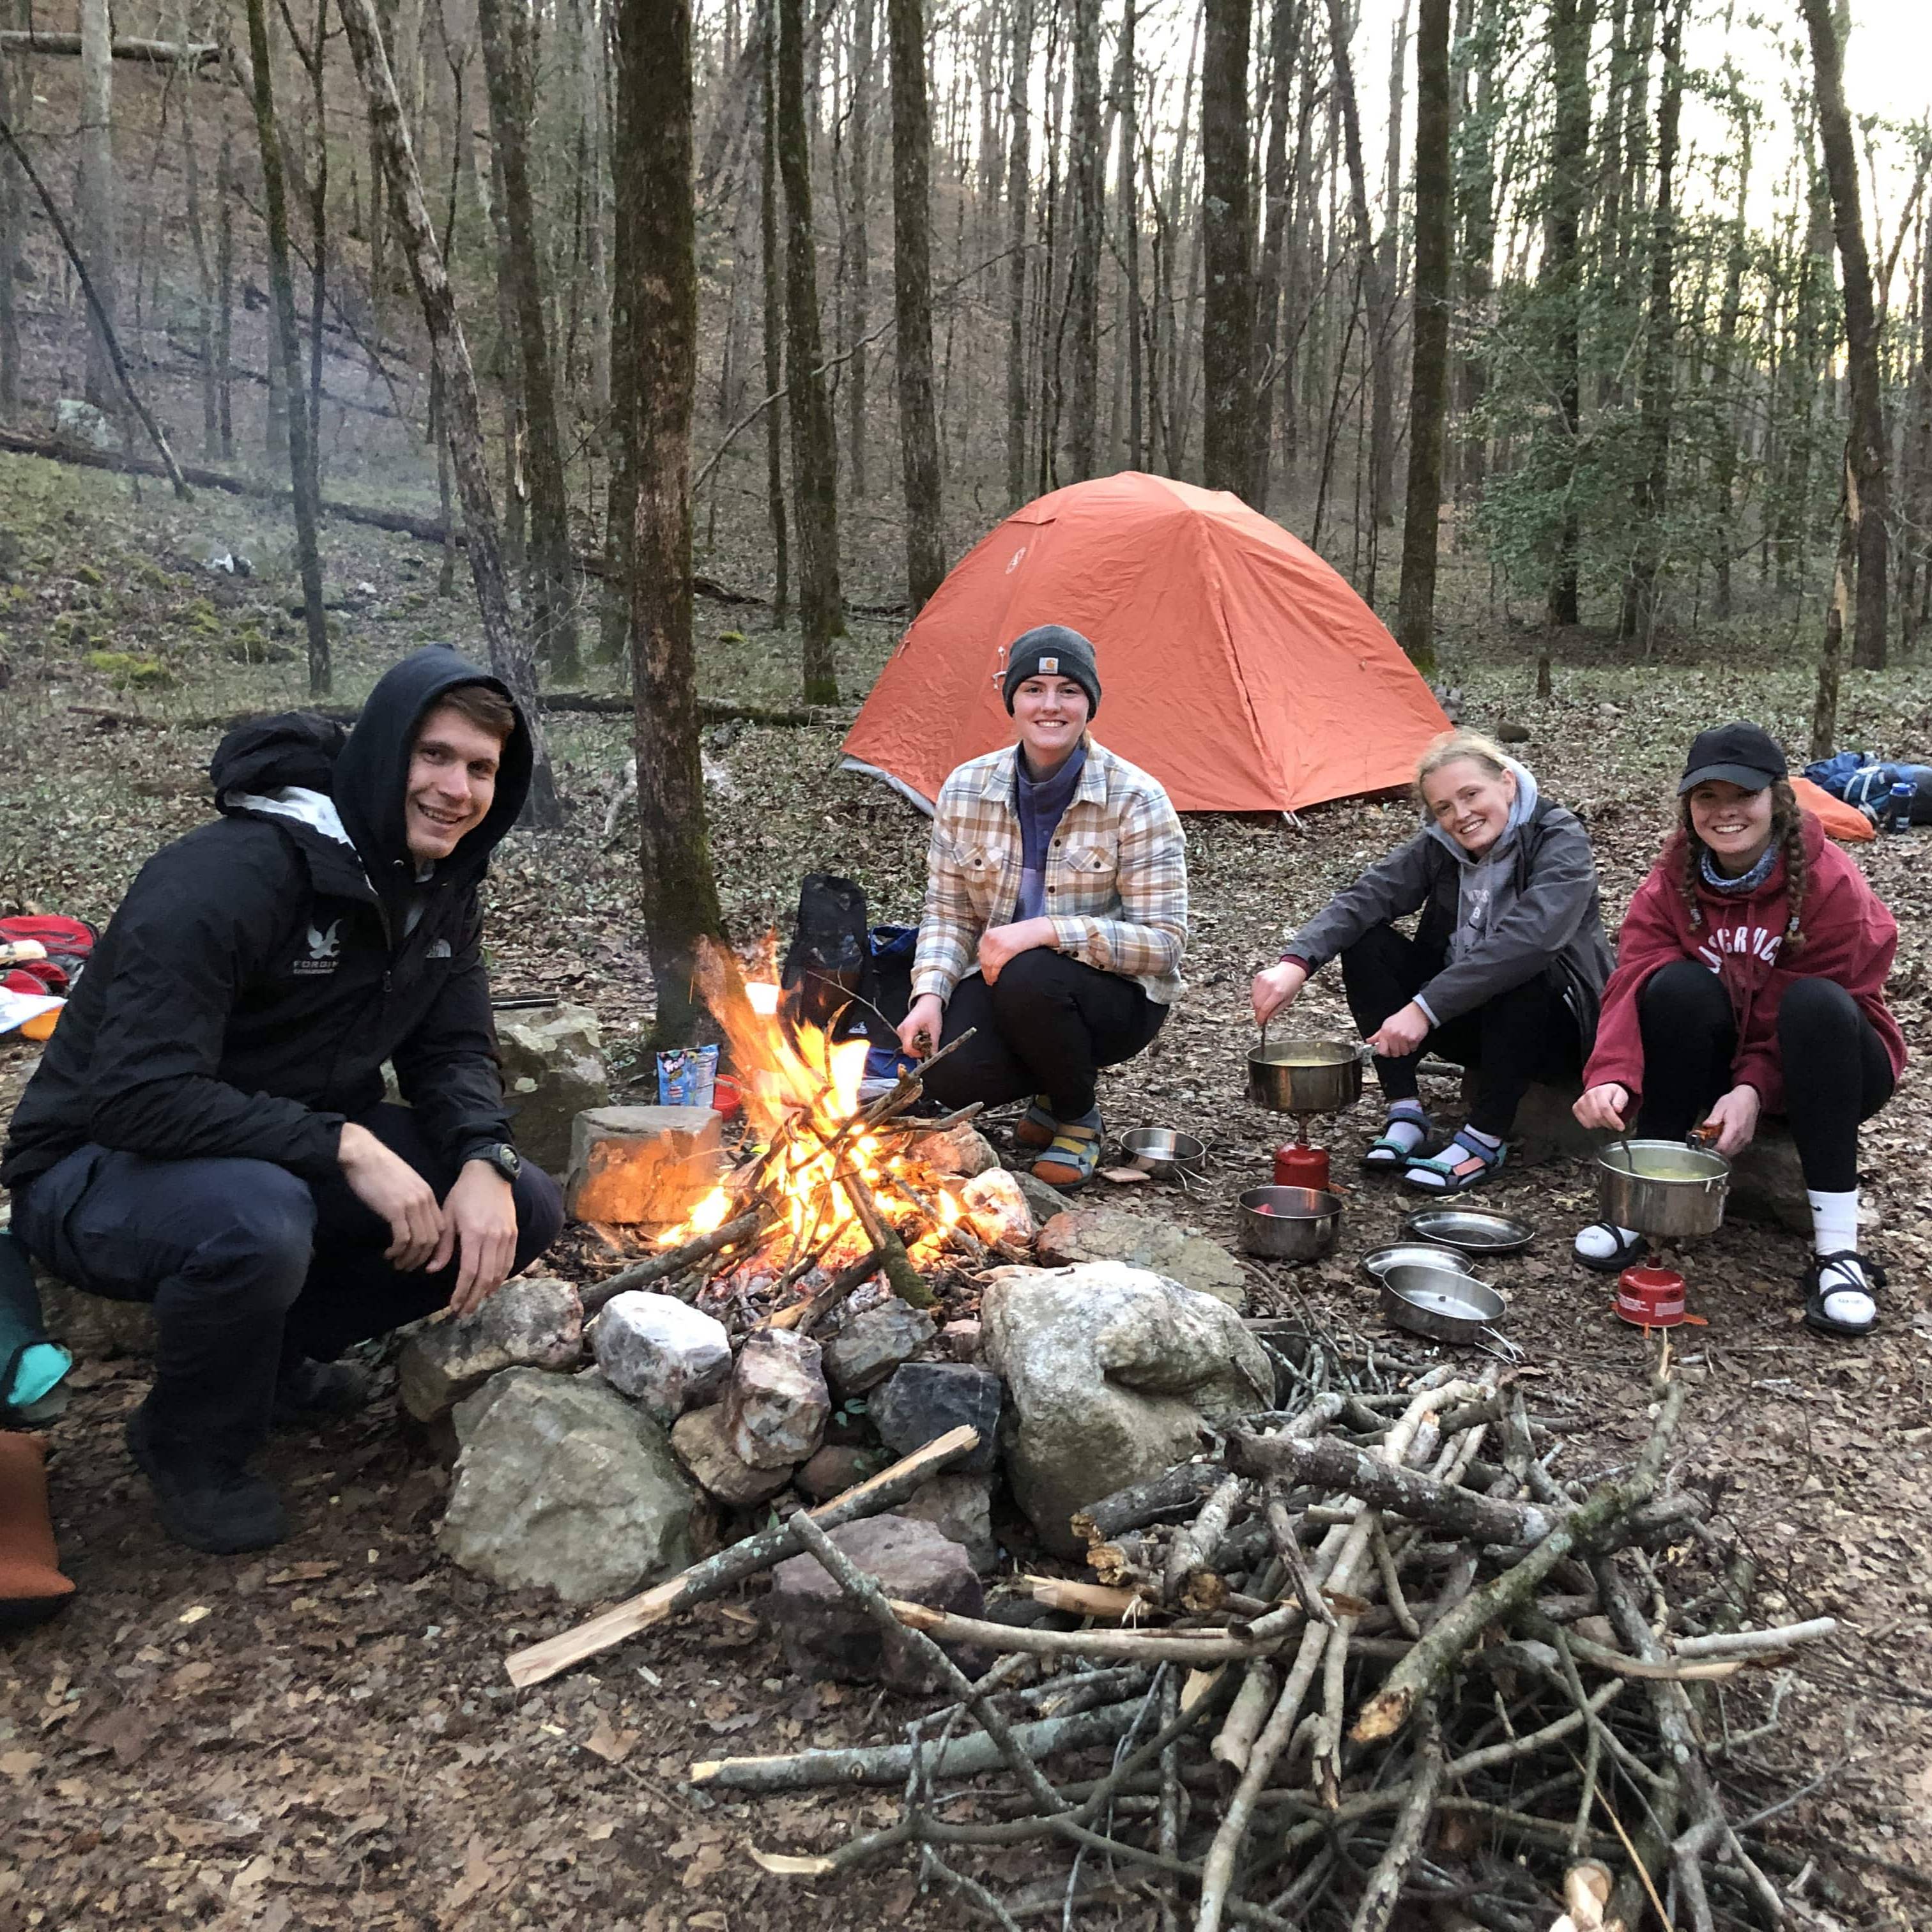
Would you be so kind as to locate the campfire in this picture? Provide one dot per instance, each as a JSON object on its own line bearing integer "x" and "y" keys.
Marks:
{"x": 830, "y": 1190}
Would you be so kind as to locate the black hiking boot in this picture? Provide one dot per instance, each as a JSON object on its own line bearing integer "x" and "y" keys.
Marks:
{"x": 206, "y": 1503}
{"x": 308, "y": 1392}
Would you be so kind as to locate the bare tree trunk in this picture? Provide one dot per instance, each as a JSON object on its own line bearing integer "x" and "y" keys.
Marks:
{"x": 204, "y": 270}
{"x": 1227, "y": 228}
{"x": 1087, "y": 158}
{"x": 1724, "y": 457}
{"x": 224, "y": 281}
{"x": 815, "y": 458}
{"x": 1476, "y": 173}
{"x": 306, "y": 489}
{"x": 12, "y": 210}
{"x": 774, "y": 307}
{"x": 1127, "y": 200}
{"x": 1284, "y": 32}
{"x": 505, "y": 36}
{"x": 1640, "y": 590}
{"x": 1382, "y": 320}
{"x": 510, "y": 656}
{"x": 97, "y": 222}
{"x": 1570, "y": 23}
{"x": 1368, "y": 273}
{"x": 1868, "y": 491}
{"x": 1429, "y": 382}
{"x": 657, "y": 279}
{"x": 860, "y": 137}
{"x": 1918, "y": 565}
{"x": 1018, "y": 152}
{"x": 1831, "y": 654}
{"x": 912, "y": 296}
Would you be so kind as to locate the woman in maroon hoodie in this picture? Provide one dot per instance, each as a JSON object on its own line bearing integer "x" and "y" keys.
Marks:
{"x": 1750, "y": 978}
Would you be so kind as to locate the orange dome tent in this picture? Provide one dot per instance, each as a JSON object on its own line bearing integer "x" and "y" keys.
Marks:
{"x": 1235, "y": 665}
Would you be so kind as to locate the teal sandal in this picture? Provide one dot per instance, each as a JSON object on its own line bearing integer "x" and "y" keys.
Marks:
{"x": 1387, "y": 1155}
{"x": 1463, "y": 1164}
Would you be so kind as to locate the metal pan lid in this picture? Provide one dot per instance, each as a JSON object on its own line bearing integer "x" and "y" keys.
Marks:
{"x": 1442, "y": 1291}
{"x": 1470, "y": 1230}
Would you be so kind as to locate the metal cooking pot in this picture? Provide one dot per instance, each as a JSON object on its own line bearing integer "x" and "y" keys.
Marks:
{"x": 1304, "y": 1075}
{"x": 1444, "y": 1304}
{"x": 1662, "y": 1189}
{"x": 1289, "y": 1224}
{"x": 1164, "y": 1153}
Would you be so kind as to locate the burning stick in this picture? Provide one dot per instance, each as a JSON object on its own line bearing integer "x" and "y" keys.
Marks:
{"x": 905, "y": 1279}
{"x": 674, "y": 1260}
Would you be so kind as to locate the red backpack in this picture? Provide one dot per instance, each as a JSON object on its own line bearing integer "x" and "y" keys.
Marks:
{"x": 70, "y": 944}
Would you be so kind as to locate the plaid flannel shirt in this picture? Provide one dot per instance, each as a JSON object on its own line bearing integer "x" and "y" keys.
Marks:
{"x": 1116, "y": 873}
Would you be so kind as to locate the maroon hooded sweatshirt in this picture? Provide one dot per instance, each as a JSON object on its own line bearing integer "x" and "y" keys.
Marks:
{"x": 1849, "y": 938}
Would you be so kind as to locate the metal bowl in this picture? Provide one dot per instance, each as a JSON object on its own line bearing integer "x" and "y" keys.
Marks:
{"x": 1442, "y": 1302}
{"x": 1305, "y": 1075}
{"x": 1663, "y": 1188}
{"x": 1378, "y": 1262}
{"x": 1470, "y": 1230}
{"x": 1164, "y": 1152}
{"x": 1289, "y": 1224}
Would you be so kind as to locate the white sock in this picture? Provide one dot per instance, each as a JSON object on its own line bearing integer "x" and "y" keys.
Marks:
{"x": 1602, "y": 1239}
{"x": 1407, "y": 1126}
{"x": 1834, "y": 1230}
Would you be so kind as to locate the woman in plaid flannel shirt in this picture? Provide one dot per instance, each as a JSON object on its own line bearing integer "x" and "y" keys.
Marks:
{"x": 1056, "y": 910}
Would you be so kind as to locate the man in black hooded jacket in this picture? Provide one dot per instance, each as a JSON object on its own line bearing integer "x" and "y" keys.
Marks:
{"x": 206, "y": 1130}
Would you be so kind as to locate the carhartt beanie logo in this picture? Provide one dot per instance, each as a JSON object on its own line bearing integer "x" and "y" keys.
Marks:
{"x": 1052, "y": 650}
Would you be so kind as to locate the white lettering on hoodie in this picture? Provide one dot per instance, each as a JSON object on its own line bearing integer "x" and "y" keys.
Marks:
{"x": 1759, "y": 942}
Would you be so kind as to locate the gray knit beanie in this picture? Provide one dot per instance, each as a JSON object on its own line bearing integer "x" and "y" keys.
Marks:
{"x": 1052, "y": 650}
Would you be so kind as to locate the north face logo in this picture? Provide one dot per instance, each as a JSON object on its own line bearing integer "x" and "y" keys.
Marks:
{"x": 325, "y": 944}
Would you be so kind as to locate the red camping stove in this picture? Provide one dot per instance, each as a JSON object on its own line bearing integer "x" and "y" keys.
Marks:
{"x": 1298, "y": 1165}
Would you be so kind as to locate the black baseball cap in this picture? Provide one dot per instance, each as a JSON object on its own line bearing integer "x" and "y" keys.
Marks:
{"x": 1742, "y": 754}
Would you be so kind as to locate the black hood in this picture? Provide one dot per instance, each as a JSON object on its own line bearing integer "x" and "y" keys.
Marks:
{"x": 290, "y": 748}
{"x": 372, "y": 771}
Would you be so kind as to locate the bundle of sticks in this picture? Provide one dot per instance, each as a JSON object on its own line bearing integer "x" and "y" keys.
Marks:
{"x": 1371, "y": 1656}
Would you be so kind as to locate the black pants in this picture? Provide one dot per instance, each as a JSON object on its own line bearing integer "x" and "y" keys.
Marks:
{"x": 1047, "y": 1025}
{"x": 1836, "y": 1071}
{"x": 1524, "y": 1035}
{"x": 246, "y": 1265}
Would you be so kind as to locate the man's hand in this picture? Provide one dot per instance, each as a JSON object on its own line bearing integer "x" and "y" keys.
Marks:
{"x": 1275, "y": 989}
{"x": 1735, "y": 1118}
{"x": 387, "y": 1185}
{"x": 1605, "y": 1106}
{"x": 1401, "y": 1034}
{"x": 479, "y": 1215}
{"x": 1000, "y": 943}
{"x": 918, "y": 1031}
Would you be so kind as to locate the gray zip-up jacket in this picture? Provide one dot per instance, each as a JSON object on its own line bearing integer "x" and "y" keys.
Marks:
{"x": 1549, "y": 922}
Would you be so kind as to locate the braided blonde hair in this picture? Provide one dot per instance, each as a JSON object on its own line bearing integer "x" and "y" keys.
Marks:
{"x": 1787, "y": 832}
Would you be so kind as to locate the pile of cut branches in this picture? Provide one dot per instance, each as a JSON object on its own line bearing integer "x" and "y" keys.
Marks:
{"x": 1370, "y": 1655}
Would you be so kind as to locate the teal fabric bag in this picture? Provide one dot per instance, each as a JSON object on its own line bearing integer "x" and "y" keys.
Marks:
{"x": 31, "y": 1366}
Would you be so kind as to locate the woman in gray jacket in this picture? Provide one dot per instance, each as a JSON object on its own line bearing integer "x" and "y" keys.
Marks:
{"x": 1505, "y": 970}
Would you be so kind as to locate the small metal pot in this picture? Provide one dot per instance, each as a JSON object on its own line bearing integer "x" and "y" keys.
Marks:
{"x": 1305, "y": 1075}
{"x": 1289, "y": 1224}
{"x": 1164, "y": 1153}
{"x": 1662, "y": 1189}
{"x": 1441, "y": 1303}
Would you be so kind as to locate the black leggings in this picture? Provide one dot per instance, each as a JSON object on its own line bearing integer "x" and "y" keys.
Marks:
{"x": 1836, "y": 1071}
{"x": 1046, "y": 1025}
{"x": 1524, "y": 1035}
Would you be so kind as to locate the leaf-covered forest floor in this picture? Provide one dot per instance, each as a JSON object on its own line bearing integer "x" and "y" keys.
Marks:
{"x": 325, "y": 1736}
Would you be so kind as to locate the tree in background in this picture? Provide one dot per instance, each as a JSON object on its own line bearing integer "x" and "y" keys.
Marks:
{"x": 912, "y": 303}
{"x": 657, "y": 283}
{"x": 1227, "y": 226}
{"x": 1428, "y": 382}
{"x": 98, "y": 225}
{"x": 815, "y": 456}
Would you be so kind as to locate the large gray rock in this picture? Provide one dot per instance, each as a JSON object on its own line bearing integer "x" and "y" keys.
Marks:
{"x": 777, "y": 1405}
{"x": 562, "y": 1483}
{"x": 704, "y": 1446}
{"x": 1112, "y": 1235}
{"x": 553, "y": 1069}
{"x": 960, "y": 1507}
{"x": 661, "y": 1352}
{"x": 649, "y": 1164}
{"x": 534, "y": 1321}
{"x": 1044, "y": 1202}
{"x": 92, "y": 1327}
{"x": 873, "y": 1343}
{"x": 925, "y": 1399}
{"x": 1111, "y": 1373}
{"x": 825, "y": 1635}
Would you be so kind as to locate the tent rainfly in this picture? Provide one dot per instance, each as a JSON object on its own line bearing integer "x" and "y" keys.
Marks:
{"x": 1235, "y": 665}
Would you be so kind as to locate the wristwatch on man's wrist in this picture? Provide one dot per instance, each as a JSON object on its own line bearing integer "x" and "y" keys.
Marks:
{"x": 503, "y": 1157}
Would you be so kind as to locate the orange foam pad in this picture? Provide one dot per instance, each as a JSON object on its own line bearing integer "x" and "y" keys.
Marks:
{"x": 1842, "y": 821}
{"x": 32, "y": 1586}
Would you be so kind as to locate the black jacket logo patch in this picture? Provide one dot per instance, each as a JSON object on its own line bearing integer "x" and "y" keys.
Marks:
{"x": 325, "y": 945}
